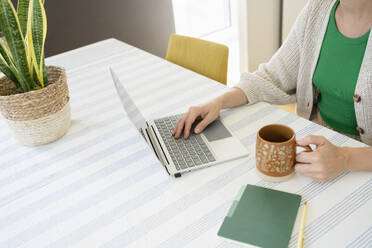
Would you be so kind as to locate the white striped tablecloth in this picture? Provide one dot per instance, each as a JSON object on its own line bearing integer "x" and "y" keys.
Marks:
{"x": 100, "y": 186}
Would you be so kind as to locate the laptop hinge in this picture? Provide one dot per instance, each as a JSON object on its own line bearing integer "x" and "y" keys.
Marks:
{"x": 156, "y": 136}
{"x": 152, "y": 145}
{"x": 166, "y": 168}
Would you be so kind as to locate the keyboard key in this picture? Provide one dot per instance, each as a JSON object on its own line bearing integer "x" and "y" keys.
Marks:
{"x": 198, "y": 162}
{"x": 183, "y": 165}
{"x": 194, "y": 157}
{"x": 205, "y": 150}
{"x": 188, "y": 160}
{"x": 191, "y": 163}
{"x": 186, "y": 155}
{"x": 192, "y": 153}
{"x": 176, "y": 165}
{"x": 204, "y": 160}
{"x": 211, "y": 159}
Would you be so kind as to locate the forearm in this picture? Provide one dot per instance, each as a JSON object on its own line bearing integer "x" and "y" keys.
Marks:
{"x": 358, "y": 159}
{"x": 234, "y": 97}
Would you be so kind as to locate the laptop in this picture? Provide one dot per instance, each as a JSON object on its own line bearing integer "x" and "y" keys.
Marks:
{"x": 215, "y": 145}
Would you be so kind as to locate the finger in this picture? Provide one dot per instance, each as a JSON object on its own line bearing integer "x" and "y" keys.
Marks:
{"x": 188, "y": 123}
{"x": 321, "y": 178}
{"x": 304, "y": 169}
{"x": 179, "y": 126}
{"x": 312, "y": 171}
{"x": 204, "y": 123}
{"x": 313, "y": 176}
{"x": 312, "y": 139}
{"x": 306, "y": 157}
{"x": 176, "y": 127}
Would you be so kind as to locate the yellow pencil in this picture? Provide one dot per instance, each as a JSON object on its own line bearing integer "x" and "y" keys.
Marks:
{"x": 300, "y": 243}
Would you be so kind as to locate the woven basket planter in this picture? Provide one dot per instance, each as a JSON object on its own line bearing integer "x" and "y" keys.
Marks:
{"x": 37, "y": 117}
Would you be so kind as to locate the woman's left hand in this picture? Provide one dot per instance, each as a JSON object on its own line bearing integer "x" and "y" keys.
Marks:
{"x": 326, "y": 162}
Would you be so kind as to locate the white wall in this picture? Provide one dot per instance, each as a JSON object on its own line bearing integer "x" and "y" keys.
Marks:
{"x": 291, "y": 9}
{"x": 259, "y": 32}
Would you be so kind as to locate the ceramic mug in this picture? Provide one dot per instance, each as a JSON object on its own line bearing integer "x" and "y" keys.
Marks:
{"x": 276, "y": 152}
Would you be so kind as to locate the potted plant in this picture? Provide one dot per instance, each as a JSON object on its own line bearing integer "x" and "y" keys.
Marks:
{"x": 34, "y": 98}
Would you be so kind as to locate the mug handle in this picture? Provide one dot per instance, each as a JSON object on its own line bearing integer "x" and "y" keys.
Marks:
{"x": 307, "y": 148}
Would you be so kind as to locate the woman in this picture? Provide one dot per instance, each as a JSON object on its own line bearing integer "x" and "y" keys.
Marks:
{"x": 326, "y": 63}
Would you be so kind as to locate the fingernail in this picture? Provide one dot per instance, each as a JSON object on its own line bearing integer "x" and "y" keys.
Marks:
{"x": 197, "y": 130}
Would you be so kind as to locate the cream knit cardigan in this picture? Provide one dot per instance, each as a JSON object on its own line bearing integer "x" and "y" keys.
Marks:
{"x": 288, "y": 75}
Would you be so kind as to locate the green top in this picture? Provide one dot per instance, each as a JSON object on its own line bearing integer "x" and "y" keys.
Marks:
{"x": 336, "y": 75}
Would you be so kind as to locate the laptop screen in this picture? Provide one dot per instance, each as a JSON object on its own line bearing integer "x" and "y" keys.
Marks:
{"x": 129, "y": 106}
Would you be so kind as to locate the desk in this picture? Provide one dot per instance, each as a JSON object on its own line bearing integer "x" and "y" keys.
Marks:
{"x": 100, "y": 186}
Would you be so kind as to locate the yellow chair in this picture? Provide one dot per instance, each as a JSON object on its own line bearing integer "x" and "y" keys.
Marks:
{"x": 204, "y": 57}
{"x": 291, "y": 108}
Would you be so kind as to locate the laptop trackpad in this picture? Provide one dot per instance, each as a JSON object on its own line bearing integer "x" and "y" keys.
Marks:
{"x": 223, "y": 144}
{"x": 216, "y": 131}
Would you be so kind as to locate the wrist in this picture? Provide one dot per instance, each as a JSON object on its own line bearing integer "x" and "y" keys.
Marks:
{"x": 346, "y": 154}
{"x": 219, "y": 102}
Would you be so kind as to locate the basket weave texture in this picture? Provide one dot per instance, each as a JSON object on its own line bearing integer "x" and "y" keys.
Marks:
{"x": 34, "y": 104}
{"x": 40, "y": 116}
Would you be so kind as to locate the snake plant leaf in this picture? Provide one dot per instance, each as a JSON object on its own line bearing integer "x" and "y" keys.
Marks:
{"x": 7, "y": 65}
{"x": 7, "y": 71}
{"x": 5, "y": 53}
{"x": 45, "y": 25}
{"x": 12, "y": 31}
{"x": 37, "y": 29}
{"x": 22, "y": 12}
{"x": 41, "y": 60}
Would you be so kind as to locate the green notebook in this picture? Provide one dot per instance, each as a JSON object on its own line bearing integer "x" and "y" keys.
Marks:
{"x": 261, "y": 217}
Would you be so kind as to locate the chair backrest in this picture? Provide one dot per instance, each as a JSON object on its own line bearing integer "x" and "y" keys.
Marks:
{"x": 201, "y": 56}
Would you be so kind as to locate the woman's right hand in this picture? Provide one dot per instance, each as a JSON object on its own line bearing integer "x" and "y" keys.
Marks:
{"x": 208, "y": 112}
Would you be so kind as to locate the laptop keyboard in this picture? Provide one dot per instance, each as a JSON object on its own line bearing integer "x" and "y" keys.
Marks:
{"x": 185, "y": 153}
